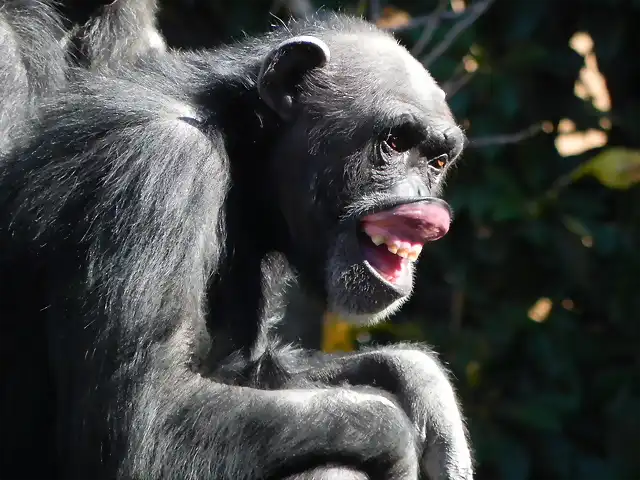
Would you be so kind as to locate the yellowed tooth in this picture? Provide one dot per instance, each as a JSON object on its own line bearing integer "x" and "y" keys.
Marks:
{"x": 392, "y": 248}
{"x": 403, "y": 253}
{"x": 413, "y": 256}
{"x": 377, "y": 239}
{"x": 417, "y": 249}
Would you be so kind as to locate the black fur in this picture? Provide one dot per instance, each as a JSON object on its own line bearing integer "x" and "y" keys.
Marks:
{"x": 112, "y": 34}
{"x": 145, "y": 217}
{"x": 31, "y": 62}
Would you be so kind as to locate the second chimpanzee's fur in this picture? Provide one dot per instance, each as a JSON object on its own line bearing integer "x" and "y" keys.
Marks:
{"x": 145, "y": 217}
{"x": 32, "y": 64}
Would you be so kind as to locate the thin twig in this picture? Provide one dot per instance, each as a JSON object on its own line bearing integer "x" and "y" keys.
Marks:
{"x": 517, "y": 137}
{"x": 463, "y": 24}
{"x": 430, "y": 28}
{"x": 424, "y": 19}
{"x": 452, "y": 86}
{"x": 297, "y": 8}
{"x": 376, "y": 10}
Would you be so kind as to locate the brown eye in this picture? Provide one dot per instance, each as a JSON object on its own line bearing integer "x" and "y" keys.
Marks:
{"x": 439, "y": 162}
{"x": 397, "y": 143}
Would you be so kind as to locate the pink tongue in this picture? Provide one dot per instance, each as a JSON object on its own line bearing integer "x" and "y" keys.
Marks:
{"x": 415, "y": 223}
{"x": 388, "y": 264}
{"x": 405, "y": 226}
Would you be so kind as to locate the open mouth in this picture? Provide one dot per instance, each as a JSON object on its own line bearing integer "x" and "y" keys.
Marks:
{"x": 392, "y": 240}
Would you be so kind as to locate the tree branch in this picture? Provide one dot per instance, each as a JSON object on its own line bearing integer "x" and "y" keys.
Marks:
{"x": 297, "y": 8}
{"x": 517, "y": 137}
{"x": 430, "y": 28}
{"x": 376, "y": 10}
{"x": 452, "y": 86}
{"x": 424, "y": 19}
{"x": 473, "y": 13}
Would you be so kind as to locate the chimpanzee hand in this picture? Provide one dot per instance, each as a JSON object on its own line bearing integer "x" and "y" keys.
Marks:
{"x": 420, "y": 385}
{"x": 355, "y": 434}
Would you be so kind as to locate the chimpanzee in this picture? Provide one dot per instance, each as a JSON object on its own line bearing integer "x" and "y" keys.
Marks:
{"x": 149, "y": 212}
{"x": 32, "y": 64}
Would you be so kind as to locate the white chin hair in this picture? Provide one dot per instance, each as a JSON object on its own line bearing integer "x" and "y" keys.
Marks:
{"x": 365, "y": 320}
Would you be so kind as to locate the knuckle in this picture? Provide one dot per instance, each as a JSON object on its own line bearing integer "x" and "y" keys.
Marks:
{"x": 418, "y": 360}
{"x": 378, "y": 410}
{"x": 382, "y": 428}
{"x": 426, "y": 377}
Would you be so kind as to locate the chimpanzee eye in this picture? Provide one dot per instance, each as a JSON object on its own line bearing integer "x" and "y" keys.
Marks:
{"x": 439, "y": 162}
{"x": 401, "y": 139}
{"x": 397, "y": 143}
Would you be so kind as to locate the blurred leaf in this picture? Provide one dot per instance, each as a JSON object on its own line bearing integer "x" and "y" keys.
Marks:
{"x": 617, "y": 168}
{"x": 337, "y": 335}
{"x": 393, "y": 17}
{"x": 473, "y": 373}
{"x": 575, "y": 226}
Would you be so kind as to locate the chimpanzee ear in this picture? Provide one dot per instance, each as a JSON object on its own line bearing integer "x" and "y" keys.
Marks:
{"x": 283, "y": 69}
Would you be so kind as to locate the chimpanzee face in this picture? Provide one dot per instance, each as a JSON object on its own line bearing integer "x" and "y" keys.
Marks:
{"x": 368, "y": 141}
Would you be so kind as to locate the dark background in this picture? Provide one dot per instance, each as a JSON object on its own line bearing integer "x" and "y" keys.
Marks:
{"x": 533, "y": 298}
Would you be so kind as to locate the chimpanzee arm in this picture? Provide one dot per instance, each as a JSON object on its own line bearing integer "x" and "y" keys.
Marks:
{"x": 419, "y": 382}
{"x": 170, "y": 422}
{"x": 186, "y": 426}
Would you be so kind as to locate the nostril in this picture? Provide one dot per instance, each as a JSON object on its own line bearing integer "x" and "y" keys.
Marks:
{"x": 441, "y": 142}
{"x": 455, "y": 141}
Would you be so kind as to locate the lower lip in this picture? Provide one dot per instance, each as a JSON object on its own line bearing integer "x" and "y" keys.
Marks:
{"x": 389, "y": 267}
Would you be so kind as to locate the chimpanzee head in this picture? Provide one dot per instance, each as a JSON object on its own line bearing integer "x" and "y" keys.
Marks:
{"x": 368, "y": 139}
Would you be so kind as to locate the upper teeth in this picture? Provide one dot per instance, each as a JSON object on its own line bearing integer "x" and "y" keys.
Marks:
{"x": 402, "y": 249}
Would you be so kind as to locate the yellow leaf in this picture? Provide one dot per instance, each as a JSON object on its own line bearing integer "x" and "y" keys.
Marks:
{"x": 337, "y": 335}
{"x": 393, "y": 17}
{"x": 616, "y": 167}
{"x": 473, "y": 373}
{"x": 540, "y": 310}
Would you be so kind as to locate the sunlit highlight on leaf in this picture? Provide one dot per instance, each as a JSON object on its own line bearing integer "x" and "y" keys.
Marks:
{"x": 540, "y": 310}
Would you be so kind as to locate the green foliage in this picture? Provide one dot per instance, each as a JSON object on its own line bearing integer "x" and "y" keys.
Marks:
{"x": 615, "y": 168}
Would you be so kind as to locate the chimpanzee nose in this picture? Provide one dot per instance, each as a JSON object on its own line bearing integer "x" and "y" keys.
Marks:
{"x": 455, "y": 140}
{"x": 447, "y": 140}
